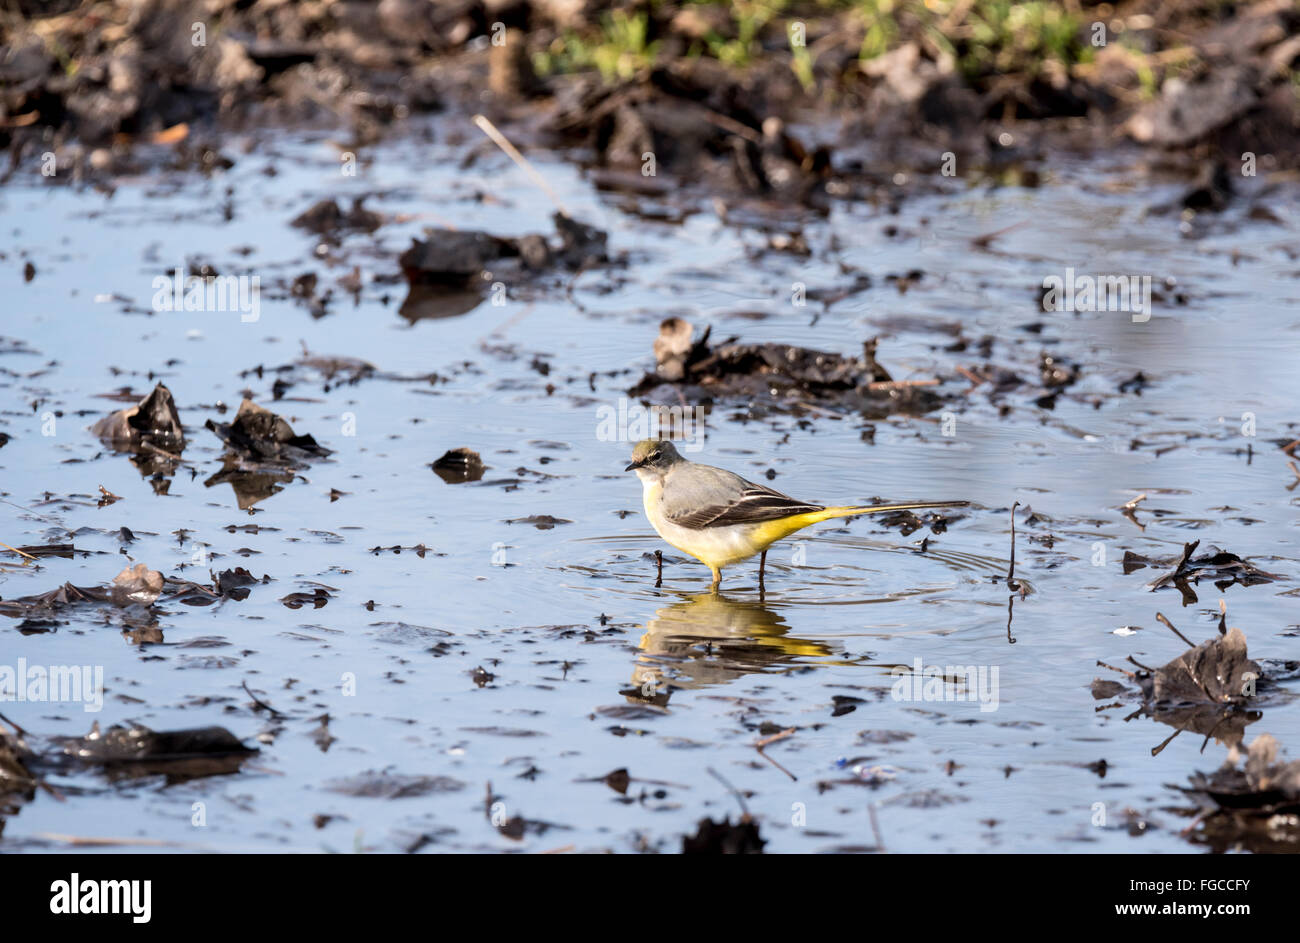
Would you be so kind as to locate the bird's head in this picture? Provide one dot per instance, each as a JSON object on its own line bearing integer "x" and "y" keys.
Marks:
{"x": 653, "y": 457}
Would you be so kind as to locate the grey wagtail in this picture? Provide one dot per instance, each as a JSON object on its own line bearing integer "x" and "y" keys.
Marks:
{"x": 720, "y": 518}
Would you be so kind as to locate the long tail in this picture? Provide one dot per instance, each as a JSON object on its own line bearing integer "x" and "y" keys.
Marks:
{"x": 883, "y": 508}
{"x": 775, "y": 530}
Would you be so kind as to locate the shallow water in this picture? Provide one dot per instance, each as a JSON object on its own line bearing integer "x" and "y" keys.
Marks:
{"x": 581, "y": 645}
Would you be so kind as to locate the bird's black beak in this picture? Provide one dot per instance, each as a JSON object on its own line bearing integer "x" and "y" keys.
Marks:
{"x": 633, "y": 466}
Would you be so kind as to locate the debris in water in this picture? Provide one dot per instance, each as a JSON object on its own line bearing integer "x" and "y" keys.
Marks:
{"x": 316, "y": 599}
{"x": 17, "y": 782}
{"x": 1256, "y": 805}
{"x": 136, "y": 585}
{"x": 459, "y": 465}
{"x": 723, "y": 838}
{"x": 784, "y": 373}
{"x": 179, "y": 755}
{"x": 1223, "y": 567}
{"x": 1209, "y": 689}
{"x": 326, "y": 218}
{"x": 389, "y": 785}
{"x": 460, "y": 260}
{"x": 262, "y": 453}
{"x": 260, "y": 435}
{"x": 540, "y": 521}
{"x": 153, "y": 424}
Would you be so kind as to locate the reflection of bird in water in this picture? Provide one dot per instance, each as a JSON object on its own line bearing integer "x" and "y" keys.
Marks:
{"x": 710, "y": 639}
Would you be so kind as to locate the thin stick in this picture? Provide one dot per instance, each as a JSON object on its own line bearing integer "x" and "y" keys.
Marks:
{"x": 1159, "y": 747}
{"x": 150, "y": 447}
{"x": 883, "y": 385}
{"x": 1195, "y": 822}
{"x": 44, "y": 517}
{"x": 1128, "y": 674}
{"x": 18, "y": 730}
{"x": 1160, "y": 617}
{"x": 260, "y": 703}
{"x": 500, "y": 140}
{"x": 732, "y": 789}
{"x": 731, "y": 125}
{"x": 96, "y": 842}
{"x": 1011, "y": 570}
{"x": 875, "y": 827}
{"x": 788, "y": 732}
{"x": 984, "y": 241}
{"x": 20, "y": 553}
{"x": 1135, "y": 502}
{"x": 187, "y": 585}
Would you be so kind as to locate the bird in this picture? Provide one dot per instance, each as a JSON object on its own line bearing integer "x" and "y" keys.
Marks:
{"x": 720, "y": 518}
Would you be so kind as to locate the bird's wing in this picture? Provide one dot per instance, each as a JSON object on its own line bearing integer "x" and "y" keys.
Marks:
{"x": 699, "y": 496}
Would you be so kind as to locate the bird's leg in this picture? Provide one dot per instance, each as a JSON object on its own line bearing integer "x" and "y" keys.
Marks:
{"x": 717, "y": 578}
{"x": 762, "y": 563}
{"x": 659, "y": 562}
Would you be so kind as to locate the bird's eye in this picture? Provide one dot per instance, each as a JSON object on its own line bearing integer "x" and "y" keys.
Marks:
{"x": 654, "y": 455}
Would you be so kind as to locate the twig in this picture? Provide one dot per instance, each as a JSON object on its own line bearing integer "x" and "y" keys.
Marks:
{"x": 44, "y": 517}
{"x": 1160, "y": 617}
{"x": 500, "y": 140}
{"x": 20, "y": 553}
{"x": 1011, "y": 570}
{"x": 96, "y": 842}
{"x": 875, "y": 827}
{"x": 19, "y": 730}
{"x": 259, "y": 702}
{"x": 788, "y": 732}
{"x": 1160, "y": 747}
{"x": 1128, "y": 674}
{"x": 1133, "y": 661}
{"x": 880, "y": 385}
{"x": 984, "y": 241}
{"x": 731, "y": 124}
{"x": 1130, "y": 505}
{"x": 190, "y": 584}
{"x": 1195, "y": 822}
{"x": 148, "y": 446}
{"x": 732, "y": 789}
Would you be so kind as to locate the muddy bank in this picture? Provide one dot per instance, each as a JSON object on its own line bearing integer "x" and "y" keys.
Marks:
{"x": 702, "y": 92}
